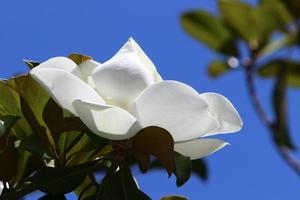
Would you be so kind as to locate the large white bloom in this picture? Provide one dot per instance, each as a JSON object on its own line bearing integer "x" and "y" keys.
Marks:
{"x": 119, "y": 97}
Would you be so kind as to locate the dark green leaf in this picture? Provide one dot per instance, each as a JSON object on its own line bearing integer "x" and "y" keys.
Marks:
{"x": 217, "y": 68}
{"x": 158, "y": 142}
{"x": 210, "y": 30}
{"x": 9, "y": 121}
{"x": 53, "y": 197}
{"x": 120, "y": 185}
{"x": 58, "y": 181}
{"x": 31, "y": 64}
{"x": 79, "y": 58}
{"x": 88, "y": 188}
{"x": 200, "y": 168}
{"x": 272, "y": 68}
{"x": 183, "y": 168}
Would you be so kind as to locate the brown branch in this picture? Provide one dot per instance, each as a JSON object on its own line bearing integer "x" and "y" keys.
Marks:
{"x": 285, "y": 153}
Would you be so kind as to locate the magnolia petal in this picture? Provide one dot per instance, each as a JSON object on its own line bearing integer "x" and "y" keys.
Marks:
{"x": 132, "y": 45}
{"x": 224, "y": 112}
{"x": 64, "y": 87}
{"x": 122, "y": 78}
{"x": 106, "y": 121}
{"x": 199, "y": 148}
{"x": 87, "y": 68}
{"x": 176, "y": 107}
{"x": 62, "y": 63}
{"x": 1, "y": 187}
{"x": 1, "y": 127}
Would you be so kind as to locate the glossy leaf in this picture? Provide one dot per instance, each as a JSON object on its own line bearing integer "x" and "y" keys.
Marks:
{"x": 121, "y": 185}
{"x": 57, "y": 181}
{"x": 157, "y": 142}
{"x": 272, "y": 68}
{"x": 9, "y": 121}
{"x": 210, "y": 30}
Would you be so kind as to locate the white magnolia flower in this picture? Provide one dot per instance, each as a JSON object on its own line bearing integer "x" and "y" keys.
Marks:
{"x": 1, "y": 187}
{"x": 1, "y": 127}
{"x": 119, "y": 97}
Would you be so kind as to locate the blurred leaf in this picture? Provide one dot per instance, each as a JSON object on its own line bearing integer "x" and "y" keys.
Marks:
{"x": 183, "y": 168}
{"x": 121, "y": 185}
{"x": 284, "y": 42}
{"x": 217, "y": 68}
{"x": 79, "y": 58}
{"x": 281, "y": 130}
{"x": 158, "y": 142}
{"x": 200, "y": 168}
{"x": 272, "y": 68}
{"x": 293, "y": 6}
{"x": 210, "y": 30}
{"x": 174, "y": 198}
{"x": 31, "y": 64}
{"x": 58, "y": 181}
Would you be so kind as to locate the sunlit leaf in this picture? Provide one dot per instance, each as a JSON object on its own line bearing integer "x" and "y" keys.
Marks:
{"x": 31, "y": 64}
{"x": 210, "y": 30}
{"x": 217, "y": 68}
{"x": 79, "y": 58}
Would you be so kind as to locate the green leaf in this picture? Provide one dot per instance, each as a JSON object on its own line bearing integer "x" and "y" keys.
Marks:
{"x": 79, "y": 58}
{"x": 217, "y": 68}
{"x": 280, "y": 128}
{"x": 57, "y": 181}
{"x": 272, "y": 68}
{"x": 121, "y": 185}
{"x": 200, "y": 168}
{"x": 31, "y": 64}
{"x": 293, "y": 6}
{"x": 174, "y": 198}
{"x": 88, "y": 188}
{"x": 210, "y": 30}
{"x": 8, "y": 122}
{"x": 158, "y": 142}
{"x": 183, "y": 168}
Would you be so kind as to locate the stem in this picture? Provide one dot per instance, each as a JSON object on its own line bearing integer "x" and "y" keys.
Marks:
{"x": 283, "y": 151}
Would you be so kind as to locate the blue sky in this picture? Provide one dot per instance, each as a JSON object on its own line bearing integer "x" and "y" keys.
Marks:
{"x": 248, "y": 169}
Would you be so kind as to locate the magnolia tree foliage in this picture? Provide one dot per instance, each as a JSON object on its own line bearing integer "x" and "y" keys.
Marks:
{"x": 71, "y": 117}
{"x": 259, "y": 40}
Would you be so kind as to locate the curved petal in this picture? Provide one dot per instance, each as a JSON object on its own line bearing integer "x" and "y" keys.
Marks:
{"x": 133, "y": 45}
{"x": 122, "y": 78}
{"x": 199, "y": 148}
{"x": 1, "y": 187}
{"x": 106, "y": 121}
{"x": 64, "y": 87}
{"x": 87, "y": 68}
{"x": 62, "y": 63}
{"x": 224, "y": 112}
{"x": 176, "y": 107}
{"x": 1, "y": 127}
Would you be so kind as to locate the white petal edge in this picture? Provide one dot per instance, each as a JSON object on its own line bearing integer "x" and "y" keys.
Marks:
{"x": 224, "y": 112}
{"x": 106, "y": 121}
{"x": 1, "y": 127}
{"x": 1, "y": 187}
{"x": 199, "y": 148}
{"x": 87, "y": 68}
{"x": 122, "y": 78}
{"x": 175, "y": 107}
{"x": 62, "y": 63}
{"x": 65, "y": 87}
{"x": 132, "y": 44}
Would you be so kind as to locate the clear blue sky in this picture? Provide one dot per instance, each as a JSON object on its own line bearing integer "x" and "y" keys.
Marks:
{"x": 248, "y": 169}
